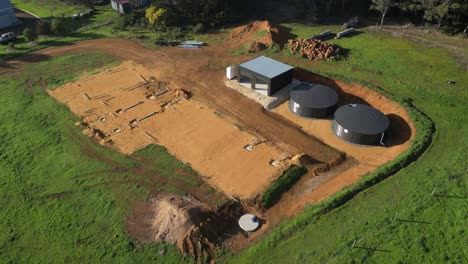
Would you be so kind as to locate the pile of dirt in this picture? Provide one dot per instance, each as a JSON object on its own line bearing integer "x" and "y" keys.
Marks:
{"x": 172, "y": 217}
{"x": 197, "y": 230}
{"x": 97, "y": 134}
{"x": 260, "y": 35}
{"x": 313, "y": 49}
{"x": 257, "y": 47}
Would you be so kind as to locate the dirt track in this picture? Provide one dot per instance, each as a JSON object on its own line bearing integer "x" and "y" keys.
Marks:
{"x": 199, "y": 72}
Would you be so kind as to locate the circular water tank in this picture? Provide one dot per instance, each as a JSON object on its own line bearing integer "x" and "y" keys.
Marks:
{"x": 313, "y": 101}
{"x": 360, "y": 124}
{"x": 249, "y": 222}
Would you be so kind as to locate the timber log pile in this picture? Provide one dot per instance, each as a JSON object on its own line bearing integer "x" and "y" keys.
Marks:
{"x": 313, "y": 49}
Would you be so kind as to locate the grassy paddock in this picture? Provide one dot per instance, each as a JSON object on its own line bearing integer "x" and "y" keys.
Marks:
{"x": 427, "y": 228}
{"x": 64, "y": 198}
{"x": 48, "y": 8}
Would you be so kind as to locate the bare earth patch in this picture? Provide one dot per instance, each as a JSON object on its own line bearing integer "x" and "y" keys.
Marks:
{"x": 361, "y": 159}
{"x": 189, "y": 129}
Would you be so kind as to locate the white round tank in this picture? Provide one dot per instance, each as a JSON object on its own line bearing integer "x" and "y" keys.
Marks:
{"x": 249, "y": 222}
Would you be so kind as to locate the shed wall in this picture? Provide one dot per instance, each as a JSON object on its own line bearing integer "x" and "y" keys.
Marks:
{"x": 274, "y": 84}
{"x": 280, "y": 81}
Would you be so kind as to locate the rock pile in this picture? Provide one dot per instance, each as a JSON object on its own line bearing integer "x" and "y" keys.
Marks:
{"x": 313, "y": 49}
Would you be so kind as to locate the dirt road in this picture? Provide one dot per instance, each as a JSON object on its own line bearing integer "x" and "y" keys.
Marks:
{"x": 199, "y": 72}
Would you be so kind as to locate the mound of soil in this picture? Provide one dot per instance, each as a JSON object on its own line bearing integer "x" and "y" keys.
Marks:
{"x": 197, "y": 230}
{"x": 260, "y": 35}
{"x": 313, "y": 49}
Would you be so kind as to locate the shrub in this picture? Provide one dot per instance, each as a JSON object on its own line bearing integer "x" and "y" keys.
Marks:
{"x": 199, "y": 29}
{"x": 29, "y": 34}
{"x": 58, "y": 25}
{"x": 282, "y": 184}
{"x": 121, "y": 23}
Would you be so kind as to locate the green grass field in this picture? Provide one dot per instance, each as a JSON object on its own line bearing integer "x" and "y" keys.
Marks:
{"x": 99, "y": 25}
{"x": 428, "y": 229}
{"x": 48, "y": 8}
{"x": 63, "y": 197}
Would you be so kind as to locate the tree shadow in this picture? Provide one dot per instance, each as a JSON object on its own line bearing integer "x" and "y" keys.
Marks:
{"x": 57, "y": 43}
{"x": 33, "y": 57}
{"x": 284, "y": 36}
{"x": 399, "y": 131}
{"x": 344, "y": 97}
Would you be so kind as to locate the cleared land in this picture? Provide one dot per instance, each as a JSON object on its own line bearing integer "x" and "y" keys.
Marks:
{"x": 189, "y": 129}
{"x": 65, "y": 198}
{"x": 366, "y": 217}
{"x": 368, "y": 158}
{"x": 428, "y": 228}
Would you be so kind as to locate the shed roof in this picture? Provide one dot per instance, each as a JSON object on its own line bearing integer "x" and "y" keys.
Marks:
{"x": 5, "y": 4}
{"x": 362, "y": 119}
{"x": 266, "y": 66}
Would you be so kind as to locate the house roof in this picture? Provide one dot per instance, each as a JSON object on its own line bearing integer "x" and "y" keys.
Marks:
{"x": 5, "y": 4}
{"x": 266, "y": 66}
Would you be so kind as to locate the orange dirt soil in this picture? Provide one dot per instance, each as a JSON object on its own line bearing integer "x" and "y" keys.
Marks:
{"x": 367, "y": 158}
{"x": 190, "y": 130}
{"x": 202, "y": 72}
{"x": 260, "y": 32}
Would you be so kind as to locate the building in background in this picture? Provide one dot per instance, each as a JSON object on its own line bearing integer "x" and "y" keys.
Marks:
{"x": 126, "y": 6}
{"x": 7, "y": 14}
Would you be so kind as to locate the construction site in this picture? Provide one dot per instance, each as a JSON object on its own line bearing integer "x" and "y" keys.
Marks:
{"x": 228, "y": 131}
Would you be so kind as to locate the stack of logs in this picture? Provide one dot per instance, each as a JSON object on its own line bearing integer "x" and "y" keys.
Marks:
{"x": 313, "y": 49}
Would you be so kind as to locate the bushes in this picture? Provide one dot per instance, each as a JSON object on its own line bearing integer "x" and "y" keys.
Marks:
{"x": 58, "y": 26}
{"x": 282, "y": 184}
{"x": 29, "y": 34}
{"x": 199, "y": 29}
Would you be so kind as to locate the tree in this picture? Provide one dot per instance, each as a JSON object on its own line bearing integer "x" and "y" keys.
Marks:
{"x": 29, "y": 34}
{"x": 156, "y": 15}
{"x": 58, "y": 25}
{"x": 382, "y": 6}
{"x": 438, "y": 10}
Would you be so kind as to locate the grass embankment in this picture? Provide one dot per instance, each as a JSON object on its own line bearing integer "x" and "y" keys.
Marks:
{"x": 429, "y": 229}
{"x": 63, "y": 197}
{"x": 282, "y": 184}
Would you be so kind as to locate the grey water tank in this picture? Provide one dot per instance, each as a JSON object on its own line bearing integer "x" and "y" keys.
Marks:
{"x": 313, "y": 101}
{"x": 360, "y": 124}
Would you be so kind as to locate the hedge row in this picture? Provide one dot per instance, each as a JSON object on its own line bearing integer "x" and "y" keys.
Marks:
{"x": 282, "y": 184}
{"x": 422, "y": 140}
